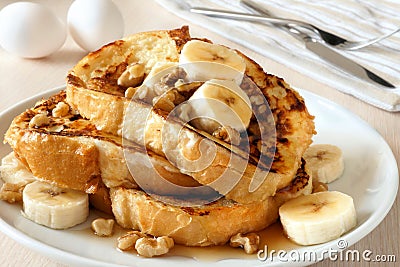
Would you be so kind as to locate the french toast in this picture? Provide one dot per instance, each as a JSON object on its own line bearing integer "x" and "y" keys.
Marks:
{"x": 93, "y": 89}
{"x": 71, "y": 153}
{"x": 206, "y": 225}
{"x": 82, "y": 139}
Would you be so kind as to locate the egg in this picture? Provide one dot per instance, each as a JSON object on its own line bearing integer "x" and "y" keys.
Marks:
{"x": 30, "y": 30}
{"x": 94, "y": 23}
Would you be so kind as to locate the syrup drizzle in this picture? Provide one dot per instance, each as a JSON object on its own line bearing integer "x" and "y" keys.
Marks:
{"x": 271, "y": 238}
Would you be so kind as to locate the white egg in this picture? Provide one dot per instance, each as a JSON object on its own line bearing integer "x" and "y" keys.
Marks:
{"x": 94, "y": 23}
{"x": 30, "y": 30}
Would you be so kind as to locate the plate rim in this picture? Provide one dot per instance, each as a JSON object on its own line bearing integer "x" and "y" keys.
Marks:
{"x": 353, "y": 237}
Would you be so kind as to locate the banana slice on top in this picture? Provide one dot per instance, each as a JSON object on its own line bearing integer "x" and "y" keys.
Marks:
{"x": 325, "y": 162}
{"x": 318, "y": 218}
{"x": 54, "y": 207}
{"x": 204, "y": 61}
{"x": 220, "y": 103}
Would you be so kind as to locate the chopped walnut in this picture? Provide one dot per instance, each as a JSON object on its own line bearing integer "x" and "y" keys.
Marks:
{"x": 56, "y": 128}
{"x": 149, "y": 247}
{"x": 187, "y": 87}
{"x": 249, "y": 242}
{"x": 130, "y": 92}
{"x": 171, "y": 78}
{"x": 103, "y": 227}
{"x": 60, "y": 110}
{"x": 168, "y": 81}
{"x": 168, "y": 100}
{"x": 39, "y": 120}
{"x": 128, "y": 240}
{"x": 132, "y": 76}
{"x": 227, "y": 134}
{"x": 163, "y": 103}
{"x": 12, "y": 192}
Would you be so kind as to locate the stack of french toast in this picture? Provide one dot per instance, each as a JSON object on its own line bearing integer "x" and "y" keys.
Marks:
{"x": 122, "y": 133}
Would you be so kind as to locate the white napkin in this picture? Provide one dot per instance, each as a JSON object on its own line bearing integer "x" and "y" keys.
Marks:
{"x": 352, "y": 19}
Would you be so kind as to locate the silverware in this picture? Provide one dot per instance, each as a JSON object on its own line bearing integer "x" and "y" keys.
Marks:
{"x": 311, "y": 44}
{"x": 344, "y": 63}
{"x": 329, "y": 38}
{"x": 324, "y": 52}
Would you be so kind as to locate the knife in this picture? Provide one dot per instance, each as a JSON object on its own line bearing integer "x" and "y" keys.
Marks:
{"x": 324, "y": 52}
{"x": 337, "y": 59}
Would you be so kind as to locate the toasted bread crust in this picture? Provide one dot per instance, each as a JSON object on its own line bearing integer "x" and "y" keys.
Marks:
{"x": 294, "y": 125}
{"x": 207, "y": 225}
{"x": 78, "y": 156}
{"x": 45, "y": 153}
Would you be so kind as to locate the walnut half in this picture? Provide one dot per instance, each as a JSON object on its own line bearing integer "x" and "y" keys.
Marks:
{"x": 128, "y": 240}
{"x": 103, "y": 227}
{"x": 12, "y": 192}
{"x": 39, "y": 120}
{"x": 249, "y": 242}
{"x": 60, "y": 110}
{"x": 150, "y": 247}
{"x": 132, "y": 76}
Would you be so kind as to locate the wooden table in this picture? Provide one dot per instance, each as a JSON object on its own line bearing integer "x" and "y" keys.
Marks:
{"x": 21, "y": 78}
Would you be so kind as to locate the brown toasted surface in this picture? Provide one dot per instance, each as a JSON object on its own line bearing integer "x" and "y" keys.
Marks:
{"x": 77, "y": 155}
{"x": 100, "y": 70}
{"x": 206, "y": 225}
{"x": 211, "y": 224}
{"x": 294, "y": 126}
{"x": 293, "y": 123}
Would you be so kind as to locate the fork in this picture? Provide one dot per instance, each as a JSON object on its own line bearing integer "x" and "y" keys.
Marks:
{"x": 329, "y": 38}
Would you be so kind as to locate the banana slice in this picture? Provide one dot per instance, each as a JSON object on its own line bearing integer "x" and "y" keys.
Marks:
{"x": 13, "y": 171}
{"x": 318, "y": 218}
{"x": 54, "y": 207}
{"x": 211, "y": 61}
{"x": 220, "y": 102}
{"x": 325, "y": 162}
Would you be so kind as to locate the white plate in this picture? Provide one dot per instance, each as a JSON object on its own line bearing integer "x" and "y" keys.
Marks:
{"x": 370, "y": 177}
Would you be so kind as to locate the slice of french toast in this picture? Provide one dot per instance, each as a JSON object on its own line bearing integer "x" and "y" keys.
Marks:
{"x": 60, "y": 147}
{"x": 93, "y": 90}
{"x": 205, "y": 225}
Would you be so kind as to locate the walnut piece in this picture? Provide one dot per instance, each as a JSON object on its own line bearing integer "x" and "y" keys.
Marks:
{"x": 227, "y": 134}
{"x": 164, "y": 102}
{"x": 103, "y": 227}
{"x": 132, "y": 76}
{"x": 249, "y": 242}
{"x": 128, "y": 240}
{"x": 60, "y": 110}
{"x": 149, "y": 247}
{"x": 12, "y": 192}
{"x": 168, "y": 100}
{"x": 39, "y": 120}
{"x": 56, "y": 128}
{"x": 130, "y": 92}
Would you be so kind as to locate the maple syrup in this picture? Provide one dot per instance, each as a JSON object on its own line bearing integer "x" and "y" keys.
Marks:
{"x": 271, "y": 238}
